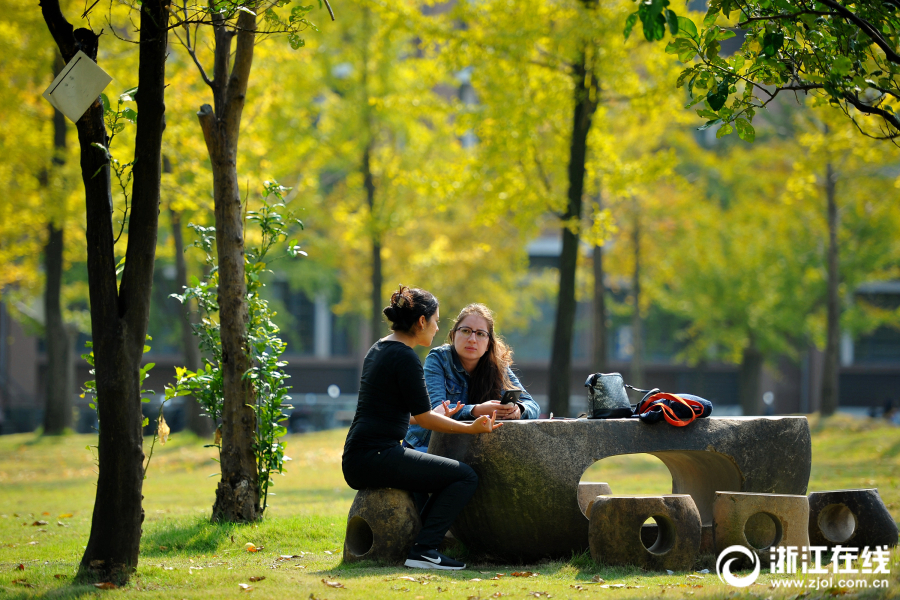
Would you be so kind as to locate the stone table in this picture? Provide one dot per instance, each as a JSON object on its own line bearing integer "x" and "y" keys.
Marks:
{"x": 526, "y": 505}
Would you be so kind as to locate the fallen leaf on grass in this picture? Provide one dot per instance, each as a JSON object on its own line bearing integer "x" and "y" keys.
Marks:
{"x": 61, "y": 524}
{"x": 694, "y": 577}
{"x": 106, "y": 585}
{"x": 32, "y": 543}
{"x": 475, "y": 579}
{"x": 407, "y": 578}
{"x": 22, "y": 582}
{"x": 597, "y": 579}
{"x": 635, "y": 587}
{"x": 60, "y": 576}
{"x": 539, "y": 594}
{"x": 329, "y": 552}
{"x": 64, "y": 516}
{"x": 45, "y": 513}
{"x": 254, "y": 578}
{"x": 496, "y": 594}
{"x": 474, "y": 598}
{"x": 524, "y": 574}
{"x": 20, "y": 568}
{"x": 39, "y": 523}
{"x": 245, "y": 587}
{"x": 334, "y": 584}
{"x": 580, "y": 588}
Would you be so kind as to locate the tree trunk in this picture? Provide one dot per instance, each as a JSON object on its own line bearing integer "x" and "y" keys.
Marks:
{"x": 237, "y": 497}
{"x": 377, "y": 316}
{"x": 196, "y": 421}
{"x": 119, "y": 317}
{"x": 561, "y": 357}
{"x": 831, "y": 368}
{"x": 748, "y": 380}
{"x": 637, "y": 321}
{"x": 600, "y": 350}
{"x": 58, "y": 408}
{"x": 59, "y": 376}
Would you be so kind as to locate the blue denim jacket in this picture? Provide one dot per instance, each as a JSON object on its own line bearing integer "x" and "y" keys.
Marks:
{"x": 446, "y": 380}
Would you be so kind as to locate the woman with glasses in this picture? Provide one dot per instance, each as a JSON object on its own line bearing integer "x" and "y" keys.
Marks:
{"x": 470, "y": 374}
{"x": 391, "y": 389}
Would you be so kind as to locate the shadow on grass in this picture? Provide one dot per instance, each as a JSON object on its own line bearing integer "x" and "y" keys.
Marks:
{"x": 195, "y": 537}
{"x": 585, "y": 569}
{"x": 61, "y": 593}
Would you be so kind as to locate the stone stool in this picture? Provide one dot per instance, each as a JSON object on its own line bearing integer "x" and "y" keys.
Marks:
{"x": 614, "y": 533}
{"x": 759, "y": 522}
{"x": 587, "y": 491}
{"x": 855, "y": 518}
{"x": 382, "y": 525}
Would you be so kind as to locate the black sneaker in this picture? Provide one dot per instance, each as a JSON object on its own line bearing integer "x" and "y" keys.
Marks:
{"x": 432, "y": 559}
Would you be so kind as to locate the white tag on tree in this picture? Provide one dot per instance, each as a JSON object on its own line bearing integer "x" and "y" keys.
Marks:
{"x": 77, "y": 86}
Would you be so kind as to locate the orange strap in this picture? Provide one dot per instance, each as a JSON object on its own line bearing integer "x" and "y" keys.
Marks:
{"x": 656, "y": 401}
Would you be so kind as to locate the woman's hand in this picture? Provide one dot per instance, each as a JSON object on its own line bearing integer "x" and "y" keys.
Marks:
{"x": 444, "y": 408}
{"x": 437, "y": 422}
{"x": 507, "y": 412}
{"x": 485, "y": 424}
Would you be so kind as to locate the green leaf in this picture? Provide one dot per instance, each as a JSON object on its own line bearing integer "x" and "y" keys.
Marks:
{"x": 711, "y": 15}
{"x": 745, "y": 130}
{"x": 672, "y": 20}
{"x": 145, "y": 422}
{"x": 629, "y": 24}
{"x": 128, "y": 95}
{"x": 724, "y": 130}
{"x": 709, "y": 124}
{"x": 841, "y": 66}
{"x": 104, "y": 102}
{"x": 716, "y": 98}
{"x": 724, "y": 34}
{"x": 130, "y": 115}
{"x": 772, "y": 43}
{"x": 687, "y": 26}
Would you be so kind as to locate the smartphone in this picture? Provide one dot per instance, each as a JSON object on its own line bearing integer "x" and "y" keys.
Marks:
{"x": 510, "y": 396}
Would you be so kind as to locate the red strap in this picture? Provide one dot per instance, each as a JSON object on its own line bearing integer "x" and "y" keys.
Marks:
{"x": 656, "y": 402}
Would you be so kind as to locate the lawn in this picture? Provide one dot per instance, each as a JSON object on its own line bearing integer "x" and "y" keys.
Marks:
{"x": 184, "y": 556}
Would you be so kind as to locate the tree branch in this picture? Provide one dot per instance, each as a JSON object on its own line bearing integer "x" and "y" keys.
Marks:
{"x": 867, "y": 28}
{"x": 61, "y": 30}
{"x": 236, "y": 91}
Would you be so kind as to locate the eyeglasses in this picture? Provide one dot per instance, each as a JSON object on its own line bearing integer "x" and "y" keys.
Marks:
{"x": 466, "y": 332}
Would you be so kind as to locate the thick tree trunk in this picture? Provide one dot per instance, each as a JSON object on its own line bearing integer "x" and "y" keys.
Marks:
{"x": 748, "y": 380}
{"x": 119, "y": 317}
{"x": 599, "y": 350}
{"x": 561, "y": 357}
{"x": 637, "y": 321}
{"x": 377, "y": 316}
{"x": 196, "y": 421}
{"x": 237, "y": 497}
{"x": 58, "y": 407}
{"x": 60, "y": 373}
{"x": 831, "y": 368}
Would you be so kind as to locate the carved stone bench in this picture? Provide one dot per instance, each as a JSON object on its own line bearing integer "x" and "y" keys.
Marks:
{"x": 526, "y": 506}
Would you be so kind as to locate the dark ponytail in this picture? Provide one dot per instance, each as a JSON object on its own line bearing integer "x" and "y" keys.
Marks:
{"x": 407, "y": 305}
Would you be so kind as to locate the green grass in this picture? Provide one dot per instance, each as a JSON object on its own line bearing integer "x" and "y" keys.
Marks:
{"x": 185, "y": 556}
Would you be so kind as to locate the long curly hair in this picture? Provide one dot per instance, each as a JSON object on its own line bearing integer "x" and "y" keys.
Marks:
{"x": 489, "y": 378}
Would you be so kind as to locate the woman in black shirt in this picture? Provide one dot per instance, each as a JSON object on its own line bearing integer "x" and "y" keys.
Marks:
{"x": 392, "y": 388}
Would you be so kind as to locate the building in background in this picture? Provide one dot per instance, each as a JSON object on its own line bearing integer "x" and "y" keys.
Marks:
{"x": 326, "y": 350}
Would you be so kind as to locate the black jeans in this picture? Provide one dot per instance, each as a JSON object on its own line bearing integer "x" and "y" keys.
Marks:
{"x": 450, "y": 482}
